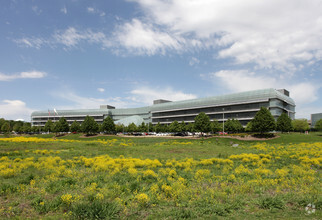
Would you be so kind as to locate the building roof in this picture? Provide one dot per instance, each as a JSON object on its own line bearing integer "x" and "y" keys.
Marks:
{"x": 222, "y": 100}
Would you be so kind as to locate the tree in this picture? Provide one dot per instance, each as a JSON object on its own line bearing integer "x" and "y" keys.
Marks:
{"x": 215, "y": 126}
{"x": 318, "y": 125}
{"x": 233, "y": 125}
{"x": 284, "y": 123}
{"x": 26, "y": 127}
{"x": 300, "y": 125}
{"x": 143, "y": 127}
{"x": 89, "y": 125}
{"x": 175, "y": 127}
{"x": 62, "y": 125}
{"x": 183, "y": 126}
{"x": 5, "y": 127}
{"x": 18, "y": 127}
{"x": 202, "y": 122}
{"x": 49, "y": 126}
{"x": 2, "y": 121}
{"x": 158, "y": 128}
{"x": 190, "y": 127}
{"x": 119, "y": 128}
{"x": 108, "y": 125}
{"x": 263, "y": 121}
{"x": 249, "y": 127}
{"x": 75, "y": 127}
{"x": 132, "y": 128}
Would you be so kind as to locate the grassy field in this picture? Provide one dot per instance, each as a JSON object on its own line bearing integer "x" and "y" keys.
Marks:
{"x": 158, "y": 178}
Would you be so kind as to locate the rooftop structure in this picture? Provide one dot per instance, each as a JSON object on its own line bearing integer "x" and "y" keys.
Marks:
{"x": 242, "y": 106}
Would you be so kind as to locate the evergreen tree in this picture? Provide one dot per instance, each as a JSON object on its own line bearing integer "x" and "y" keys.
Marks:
{"x": 75, "y": 127}
{"x": 263, "y": 121}
{"x": 202, "y": 122}
{"x": 89, "y": 126}
{"x": 108, "y": 125}
{"x": 318, "y": 125}
{"x": 284, "y": 123}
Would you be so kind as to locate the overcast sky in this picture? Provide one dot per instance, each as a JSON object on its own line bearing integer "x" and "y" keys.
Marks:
{"x": 126, "y": 53}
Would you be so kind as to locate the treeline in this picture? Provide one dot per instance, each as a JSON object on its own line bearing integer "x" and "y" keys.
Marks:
{"x": 262, "y": 122}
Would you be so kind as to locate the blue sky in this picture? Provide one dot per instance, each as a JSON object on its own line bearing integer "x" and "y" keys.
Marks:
{"x": 81, "y": 54}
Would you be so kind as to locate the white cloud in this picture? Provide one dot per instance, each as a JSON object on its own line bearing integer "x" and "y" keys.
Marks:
{"x": 146, "y": 95}
{"x": 71, "y": 37}
{"x": 138, "y": 97}
{"x": 100, "y": 89}
{"x": 270, "y": 33}
{"x": 63, "y": 10}
{"x": 14, "y": 109}
{"x": 36, "y": 9}
{"x": 90, "y": 10}
{"x": 243, "y": 80}
{"x": 194, "y": 61}
{"x": 23, "y": 75}
{"x": 140, "y": 38}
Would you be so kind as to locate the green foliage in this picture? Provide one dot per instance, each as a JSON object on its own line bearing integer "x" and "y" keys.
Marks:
{"x": 300, "y": 125}
{"x": 271, "y": 203}
{"x": 2, "y": 121}
{"x": 62, "y": 125}
{"x": 132, "y": 128}
{"x": 190, "y": 127}
{"x": 95, "y": 210}
{"x": 108, "y": 125}
{"x": 202, "y": 122}
{"x": 26, "y": 127}
{"x": 119, "y": 128}
{"x": 263, "y": 121}
{"x": 158, "y": 128}
{"x": 248, "y": 127}
{"x": 75, "y": 127}
{"x": 215, "y": 126}
{"x": 175, "y": 127}
{"x": 233, "y": 125}
{"x": 318, "y": 125}
{"x": 143, "y": 127}
{"x": 284, "y": 123}
{"x": 49, "y": 126}
{"x": 5, "y": 127}
{"x": 183, "y": 126}
{"x": 89, "y": 126}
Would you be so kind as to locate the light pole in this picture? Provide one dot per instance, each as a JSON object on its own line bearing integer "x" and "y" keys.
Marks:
{"x": 223, "y": 121}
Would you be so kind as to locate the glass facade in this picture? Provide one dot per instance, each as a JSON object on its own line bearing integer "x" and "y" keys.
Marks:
{"x": 242, "y": 106}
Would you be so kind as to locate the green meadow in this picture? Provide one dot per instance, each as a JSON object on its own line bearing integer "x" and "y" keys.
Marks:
{"x": 111, "y": 177}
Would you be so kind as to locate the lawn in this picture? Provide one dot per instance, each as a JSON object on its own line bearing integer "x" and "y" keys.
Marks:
{"x": 158, "y": 178}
